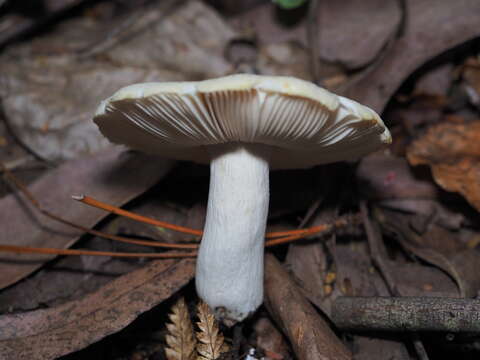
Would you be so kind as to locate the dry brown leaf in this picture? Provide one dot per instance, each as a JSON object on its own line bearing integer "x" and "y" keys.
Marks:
{"x": 425, "y": 37}
{"x": 113, "y": 176}
{"x": 211, "y": 343}
{"x": 49, "y": 99}
{"x": 270, "y": 339}
{"x": 14, "y": 25}
{"x": 50, "y": 333}
{"x": 382, "y": 177}
{"x": 453, "y": 153}
{"x": 181, "y": 338}
{"x": 437, "y": 246}
{"x": 345, "y": 37}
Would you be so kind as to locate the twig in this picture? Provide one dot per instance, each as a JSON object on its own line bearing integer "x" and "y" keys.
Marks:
{"x": 309, "y": 334}
{"x": 17, "y": 163}
{"x": 378, "y": 254}
{"x": 377, "y": 250}
{"x": 410, "y": 314}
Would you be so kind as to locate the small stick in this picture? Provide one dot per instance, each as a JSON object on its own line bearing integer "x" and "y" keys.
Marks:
{"x": 378, "y": 254}
{"x": 377, "y": 250}
{"x": 309, "y": 334}
{"x": 412, "y": 314}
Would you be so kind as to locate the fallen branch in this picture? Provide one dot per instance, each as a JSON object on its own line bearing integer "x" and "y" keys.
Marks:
{"x": 402, "y": 314}
{"x": 309, "y": 334}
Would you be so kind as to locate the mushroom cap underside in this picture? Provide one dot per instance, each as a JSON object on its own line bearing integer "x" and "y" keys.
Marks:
{"x": 304, "y": 124}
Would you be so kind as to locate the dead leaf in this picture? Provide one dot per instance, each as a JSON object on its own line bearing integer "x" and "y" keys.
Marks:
{"x": 344, "y": 36}
{"x": 369, "y": 348}
{"x": 113, "y": 176}
{"x": 438, "y": 247}
{"x": 50, "y": 103}
{"x": 50, "y": 333}
{"x": 270, "y": 339}
{"x": 180, "y": 338}
{"x": 289, "y": 59}
{"x": 382, "y": 177}
{"x": 453, "y": 152}
{"x": 15, "y": 25}
{"x": 49, "y": 100}
{"x": 210, "y": 340}
{"x": 439, "y": 213}
{"x": 425, "y": 37}
{"x": 413, "y": 279}
{"x": 436, "y": 81}
{"x": 69, "y": 278}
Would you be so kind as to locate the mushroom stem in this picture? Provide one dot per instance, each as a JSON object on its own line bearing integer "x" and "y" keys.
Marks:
{"x": 229, "y": 275}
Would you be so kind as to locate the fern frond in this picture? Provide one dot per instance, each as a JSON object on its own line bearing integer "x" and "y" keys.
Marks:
{"x": 180, "y": 338}
{"x": 211, "y": 343}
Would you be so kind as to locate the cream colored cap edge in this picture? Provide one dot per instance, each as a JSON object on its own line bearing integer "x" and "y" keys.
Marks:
{"x": 283, "y": 85}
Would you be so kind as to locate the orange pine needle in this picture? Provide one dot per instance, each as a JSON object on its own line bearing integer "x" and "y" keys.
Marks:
{"x": 29, "y": 196}
{"x": 115, "y": 210}
{"x": 280, "y": 237}
{"x": 52, "y": 251}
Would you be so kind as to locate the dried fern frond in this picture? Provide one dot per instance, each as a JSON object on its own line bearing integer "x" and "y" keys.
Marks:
{"x": 211, "y": 343}
{"x": 180, "y": 338}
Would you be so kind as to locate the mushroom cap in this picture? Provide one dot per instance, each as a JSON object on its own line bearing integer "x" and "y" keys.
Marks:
{"x": 304, "y": 124}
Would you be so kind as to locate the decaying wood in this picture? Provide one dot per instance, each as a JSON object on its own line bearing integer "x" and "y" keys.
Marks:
{"x": 407, "y": 314}
{"x": 180, "y": 338}
{"x": 50, "y": 333}
{"x": 309, "y": 333}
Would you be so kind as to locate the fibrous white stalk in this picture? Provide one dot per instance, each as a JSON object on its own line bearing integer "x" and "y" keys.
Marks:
{"x": 229, "y": 276}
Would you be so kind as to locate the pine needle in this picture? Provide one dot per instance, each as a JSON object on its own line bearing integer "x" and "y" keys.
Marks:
{"x": 210, "y": 341}
{"x": 180, "y": 339}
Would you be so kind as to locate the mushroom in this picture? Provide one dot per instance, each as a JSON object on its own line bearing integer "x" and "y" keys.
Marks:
{"x": 243, "y": 126}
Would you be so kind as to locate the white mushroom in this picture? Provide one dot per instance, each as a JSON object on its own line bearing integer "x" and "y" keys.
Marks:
{"x": 243, "y": 125}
